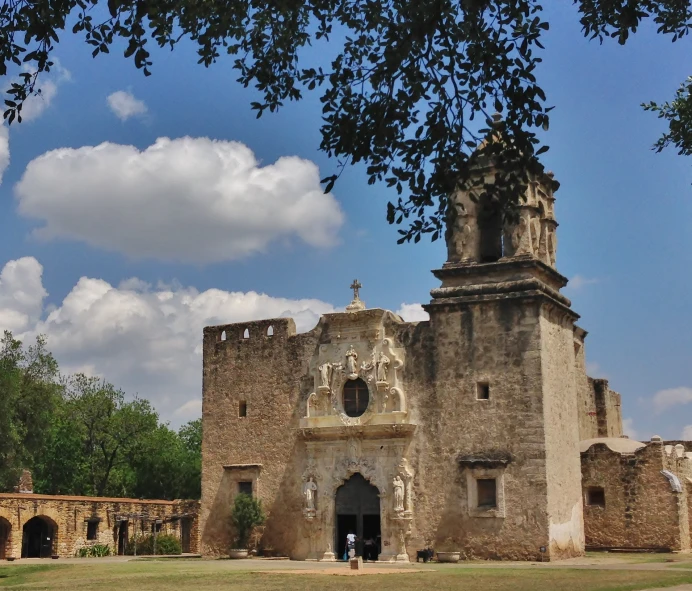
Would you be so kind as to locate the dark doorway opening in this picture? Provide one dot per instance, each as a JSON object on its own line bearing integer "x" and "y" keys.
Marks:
{"x": 185, "y": 527}
{"x": 358, "y": 510}
{"x": 345, "y": 525}
{"x": 122, "y": 537}
{"x": 38, "y": 537}
{"x": 5, "y": 530}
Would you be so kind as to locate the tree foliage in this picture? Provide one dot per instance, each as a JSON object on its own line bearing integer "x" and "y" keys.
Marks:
{"x": 410, "y": 92}
{"x": 80, "y": 435}
{"x": 29, "y": 396}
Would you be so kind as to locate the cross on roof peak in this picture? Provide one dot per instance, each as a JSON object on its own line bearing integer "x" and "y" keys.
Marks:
{"x": 357, "y": 304}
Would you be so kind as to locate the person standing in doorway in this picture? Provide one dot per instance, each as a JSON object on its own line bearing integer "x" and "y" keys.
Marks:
{"x": 350, "y": 544}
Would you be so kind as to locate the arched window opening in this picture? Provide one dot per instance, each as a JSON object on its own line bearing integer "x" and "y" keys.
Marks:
{"x": 223, "y": 335}
{"x": 490, "y": 227}
{"x": 246, "y": 334}
{"x": 356, "y": 397}
{"x": 270, "y": 331}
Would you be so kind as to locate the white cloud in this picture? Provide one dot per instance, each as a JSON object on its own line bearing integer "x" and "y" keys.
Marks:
{"x": 189, "y": 411}
{"x": 187, "y": 199}
{"x": 21, "y": 294}
{"x": 579, "y": 281}
{"x": 628, "y": 428}
{"x": 35, "y": 105}
{"x": 412, "y": 313}
{"x": 143, "y": 339}
{"x": 125, "y": 105}
{"x": 687, "y": 433}
{"x": 665, "y": 399}
{"x": 593, "y": 369}
{"x": 4, "y": 149}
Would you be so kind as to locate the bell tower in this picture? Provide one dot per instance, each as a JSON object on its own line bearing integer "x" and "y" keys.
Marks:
{"x": 478, "y": 234}
{"x": 506, "y": 337}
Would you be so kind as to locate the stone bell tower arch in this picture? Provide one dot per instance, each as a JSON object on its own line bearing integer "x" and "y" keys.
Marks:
{"x": 499, "y": 317}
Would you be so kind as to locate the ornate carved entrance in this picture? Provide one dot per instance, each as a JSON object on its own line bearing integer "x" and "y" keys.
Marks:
{"x": 357, "y": 511}
{"x": 357, "y": 430}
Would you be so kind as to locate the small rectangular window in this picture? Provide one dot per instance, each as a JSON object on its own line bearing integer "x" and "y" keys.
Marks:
{"x": 242, "y": 408}
{"x": 92, "y": 530}
{"x": 156, "y": 527}
{"x": 483, "y": 391}
{"x": 245, "y": 487}
{"x": 595, "y": 496}
{"x": 487, "y": 493}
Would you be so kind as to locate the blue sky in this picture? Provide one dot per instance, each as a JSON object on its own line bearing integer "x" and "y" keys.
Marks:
{"x": 624, "y": 213}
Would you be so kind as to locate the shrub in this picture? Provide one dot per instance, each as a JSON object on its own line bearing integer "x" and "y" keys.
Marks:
{"x": 165, "y": 544}
{"x": 95, "y": 551}
{"x": 247, "y": 515}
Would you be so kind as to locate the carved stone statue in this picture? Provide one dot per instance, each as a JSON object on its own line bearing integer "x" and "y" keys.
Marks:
{"x": 324, "y": 374}
{"x": 552, "y": 248}
{"x": 521, "y": 242}
{"x": 535, "y": 235}
{"x": 382, "y": 365}
{"x": 461, "y": 235}
{"x": 313, "y": 405}
{"x": 352, "y": 361}
{"x": 310, "y": 494}
{"x": 398, "y": 486}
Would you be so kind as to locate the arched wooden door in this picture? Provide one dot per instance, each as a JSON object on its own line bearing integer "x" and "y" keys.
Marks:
{"x": 5, "y": 538}
{"x": 357, "y": 511}
{"x": 39, "y": 537}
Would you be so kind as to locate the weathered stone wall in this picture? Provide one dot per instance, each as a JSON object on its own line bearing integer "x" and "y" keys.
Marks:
{"x": 497, "y": 342}
{"x": 268, "y": 373}
{"x": 561, "y": 420}
{"x": 641, "y": 509}
{"x": 608, "y": 412}
{"x": 588, "y": 420}
{"x": 69, "y": 516}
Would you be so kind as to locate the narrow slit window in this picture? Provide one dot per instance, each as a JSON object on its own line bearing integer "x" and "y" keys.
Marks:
{"x": 595, "y": 496}
{"x": 483, "y": 391}
{"x": 246, "y": 333}
{"x": 223, "y": 335}
{"x": 270, "y": 331}
{"x": 242, "y": 408}
{"x": 487, "y": 493}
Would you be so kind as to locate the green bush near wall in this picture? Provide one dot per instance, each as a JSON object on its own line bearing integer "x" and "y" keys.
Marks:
{"x": 165, "y": 544}
{"x": 95, "y": 551}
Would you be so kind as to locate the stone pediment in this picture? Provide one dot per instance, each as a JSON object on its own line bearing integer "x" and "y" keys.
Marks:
{"x": 485, "y": 459}
{"x": 364, "y": 325}
{"x": 356, "y": 353}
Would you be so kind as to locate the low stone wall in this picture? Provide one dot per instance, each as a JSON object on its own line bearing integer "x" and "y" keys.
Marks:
{"x": 62, "y": 523}
{"x": 641, "y": 507}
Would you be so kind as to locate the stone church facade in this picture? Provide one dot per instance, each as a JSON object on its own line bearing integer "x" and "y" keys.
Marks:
{"x": 461, "y": 432}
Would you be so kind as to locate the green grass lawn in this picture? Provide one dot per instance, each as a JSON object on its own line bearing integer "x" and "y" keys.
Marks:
{"x": 181, "y": 575}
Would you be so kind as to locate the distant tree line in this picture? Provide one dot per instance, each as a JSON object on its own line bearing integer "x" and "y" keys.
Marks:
{"x": 78, "y": 435}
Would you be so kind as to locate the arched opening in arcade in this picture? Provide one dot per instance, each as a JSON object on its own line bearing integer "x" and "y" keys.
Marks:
{"x": 39, "y": 537}
{"x": 5, "y": 538}
{"x": 358, "y": 512}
